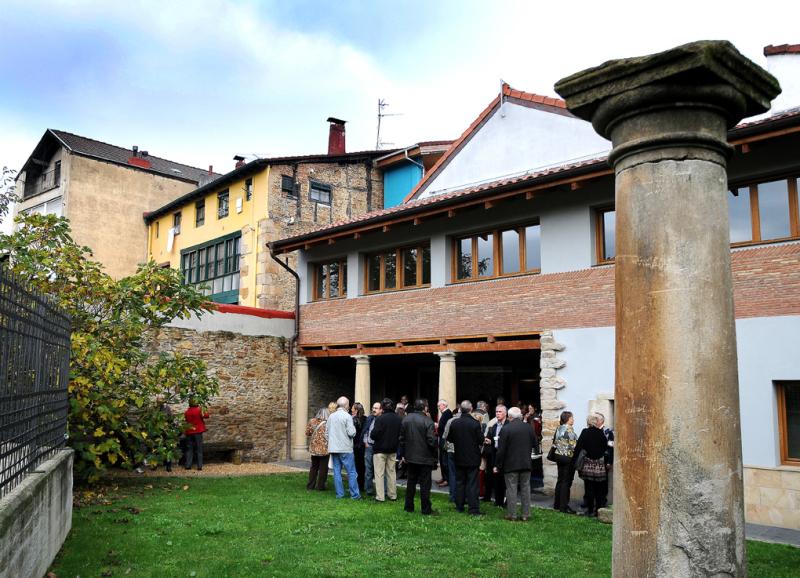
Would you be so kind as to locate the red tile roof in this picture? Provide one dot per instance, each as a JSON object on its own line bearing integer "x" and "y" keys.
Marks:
{"x": 508, "y": 92}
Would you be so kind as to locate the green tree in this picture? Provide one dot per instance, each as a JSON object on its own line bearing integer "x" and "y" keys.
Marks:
{"x": 116, "y": 385}
{"x": 7, "y": 194}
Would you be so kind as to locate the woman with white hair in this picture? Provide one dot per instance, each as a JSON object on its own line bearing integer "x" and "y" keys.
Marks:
{"x": 590, "y": 462}
{"x": 318, "y": 448}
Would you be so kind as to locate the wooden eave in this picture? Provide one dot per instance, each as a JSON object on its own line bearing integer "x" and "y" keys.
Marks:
{"x": 443, "y": 208}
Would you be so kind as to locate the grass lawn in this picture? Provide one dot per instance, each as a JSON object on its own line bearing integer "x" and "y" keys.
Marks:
{"x": 272, "y": 526}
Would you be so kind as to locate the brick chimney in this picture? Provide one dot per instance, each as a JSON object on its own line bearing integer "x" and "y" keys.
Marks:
{"x": 138, "y": 161}
{"x": 336, "y": 136}
{"x": 239, "y": 161}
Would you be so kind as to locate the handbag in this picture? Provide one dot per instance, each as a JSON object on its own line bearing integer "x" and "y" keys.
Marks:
{"x": 580, "y": 460}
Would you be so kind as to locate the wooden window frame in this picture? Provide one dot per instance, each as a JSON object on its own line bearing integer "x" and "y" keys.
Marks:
{"x": 290, "y": 191}
{"x": 200, "y": 217}
{"x": 755, "y": 212}
{"x": 319, "y": 186}
{"x": 322, "y": 266}
{"x": 497, "y": 254}
{"x": 176, "y": 222}
{"x": 204, "y": 271}
{"x": 599, "y": 235}
{"x": 220, "y": 196}
{"x": 399, "y": 269}
{"x": 248, "y": 188}
{"x": 782, "y": 423}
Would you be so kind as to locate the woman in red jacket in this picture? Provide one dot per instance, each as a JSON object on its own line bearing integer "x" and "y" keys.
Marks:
{"x": 194, "y": 416}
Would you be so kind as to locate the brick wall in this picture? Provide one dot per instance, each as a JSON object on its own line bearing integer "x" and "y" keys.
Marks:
{"x": 252, "y": 373}
{"x": 766, "y": 283}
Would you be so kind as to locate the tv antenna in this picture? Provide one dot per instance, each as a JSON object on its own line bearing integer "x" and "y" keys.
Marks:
{"x": 381, "y": 105}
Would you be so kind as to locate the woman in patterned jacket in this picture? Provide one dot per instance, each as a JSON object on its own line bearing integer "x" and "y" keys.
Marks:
{"x": 318, "y": 448}
{"x": 564, "y": 441}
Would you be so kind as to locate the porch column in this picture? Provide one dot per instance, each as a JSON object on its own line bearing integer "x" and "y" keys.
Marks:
{"x": 678, "y": 506}
{"x": 300, "y": 415}
{"x": 362, "y": 391}
{"x": 447, "y": 378}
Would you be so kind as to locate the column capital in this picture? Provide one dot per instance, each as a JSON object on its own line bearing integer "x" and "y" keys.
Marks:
{"x": 446, "y": 355}
{"x": 300, "y": 360}
{"x": 361, "y": 358}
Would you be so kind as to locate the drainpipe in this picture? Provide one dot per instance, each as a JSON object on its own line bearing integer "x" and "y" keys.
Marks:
{"x": 409, "y": 159}
{"x": 292, "y": 344}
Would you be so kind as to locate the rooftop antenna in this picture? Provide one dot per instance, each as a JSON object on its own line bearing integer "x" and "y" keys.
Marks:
{"x": 381, "y": 105}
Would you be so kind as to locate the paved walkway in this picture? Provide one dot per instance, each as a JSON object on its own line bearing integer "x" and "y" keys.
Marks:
{"x": 752, "y": 531}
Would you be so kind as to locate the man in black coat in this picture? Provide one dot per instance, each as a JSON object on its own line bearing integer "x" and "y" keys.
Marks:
{"x": 386, "y": 438}
{"x": 495, "y": 480}
{"x": 466, "y": 436}
{"x": 418, "y": 446}
{"x": 513, "y": 458}
{"x": 444, "y": 416}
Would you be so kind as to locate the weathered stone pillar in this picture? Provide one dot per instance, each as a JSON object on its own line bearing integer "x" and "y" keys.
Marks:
{"x": 678, "y": 508}
{"x": 447, "y": 378}
{"x": 300, "y": 415}
{"x": 362, "y": 390}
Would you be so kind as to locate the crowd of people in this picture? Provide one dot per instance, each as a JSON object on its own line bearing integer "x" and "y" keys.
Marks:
{"x": 496, "y": 460}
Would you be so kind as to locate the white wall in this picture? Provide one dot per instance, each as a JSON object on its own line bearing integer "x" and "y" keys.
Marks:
{"x": 786, "y": 68}
{"x": 242, "y": 324}
{"x": 768, "y": 350}
{"x": 524, "y": 139}
{"x": 567, "y": 239}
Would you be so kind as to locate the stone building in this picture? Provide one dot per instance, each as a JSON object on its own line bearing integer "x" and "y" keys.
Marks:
{"x": 102, "y": 189}
{"x": 496, "y": 277}
{"x": 217, "y": 234}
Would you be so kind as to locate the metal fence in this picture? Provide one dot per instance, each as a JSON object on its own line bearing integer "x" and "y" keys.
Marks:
{"x": 34, "y": 370}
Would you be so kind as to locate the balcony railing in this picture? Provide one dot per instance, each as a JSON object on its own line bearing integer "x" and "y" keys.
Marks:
{"x": 37, "y": 184}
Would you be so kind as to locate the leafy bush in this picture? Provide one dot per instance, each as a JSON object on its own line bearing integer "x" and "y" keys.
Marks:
{"x": 116, "y": 387}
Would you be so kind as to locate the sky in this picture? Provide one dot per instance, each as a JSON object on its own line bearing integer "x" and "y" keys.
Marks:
{"x": 199, "y": 82}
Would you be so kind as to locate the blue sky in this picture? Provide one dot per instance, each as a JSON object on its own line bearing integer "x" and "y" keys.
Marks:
{"x": 200, "y": 81}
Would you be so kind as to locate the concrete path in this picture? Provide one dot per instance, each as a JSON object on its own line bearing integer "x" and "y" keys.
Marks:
{"x": 752, "y": 531}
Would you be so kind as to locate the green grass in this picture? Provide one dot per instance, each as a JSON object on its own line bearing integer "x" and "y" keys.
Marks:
{"x": 272, "y": 526}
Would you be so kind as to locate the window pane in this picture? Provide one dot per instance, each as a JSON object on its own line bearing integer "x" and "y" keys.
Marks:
{"x": 409, "y": 267}
{"x": 320, "y": 278}
{"x": 201, "y": 260}
{"x": 235, "y": 283}
{"x": 390, "y": 268}
{"x": 333, "y": 279}
{"x": 609, "y": 234}
{"x": 533, "y": 247}
{"x": 343, "y": 278}
{"x": 510, "y": 241}
{"x": 739, "y": 215}
{"x": 220, "y": 268}
{"x": 373, "y": 273}
{"x": 792, "y": 401}
{"x": 773, "y": 209}
{"x": 217, "y": 285}
{"x": 486, "y": 255}
{"x": 226, "y": 282}
{"x": 464, "y": 257}
{"x": 426, "y": 265}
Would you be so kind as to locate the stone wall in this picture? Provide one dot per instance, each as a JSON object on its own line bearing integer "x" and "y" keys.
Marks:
{"x": 35, "y": 518}
{"x": 772, "y": 496}
{"x": 252, "y": 373}
{"x": 327, "y": 384}
{"x": 549, "y": 385}
{"x": 357, "y": 188}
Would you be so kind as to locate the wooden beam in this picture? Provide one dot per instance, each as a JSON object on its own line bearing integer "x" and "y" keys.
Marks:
{"x": 331, "y": 241}
{"x": 519, "y": 345}
{"x": 528, "y": 195}
{"x": 575, "y": 185}
{"x": 745, "y": 148}
{"x": 417, "y": 220}
{"x": 451, "y": 213}
{"x": 356, "y": 236}
{"x": 386, "y": 228}
{"x": 488, "y": 204}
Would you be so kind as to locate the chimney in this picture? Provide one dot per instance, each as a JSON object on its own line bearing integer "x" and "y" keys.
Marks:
{"x": 239, "y": 161}
{"x": 783, "y": 62}
{"x": 210, "y": 170}
{"x": 336, "y": 136}
{"x": 138, "y": 161}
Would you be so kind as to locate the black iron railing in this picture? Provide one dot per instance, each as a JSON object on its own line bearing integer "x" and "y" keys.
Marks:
{"x": 34, "y": 370}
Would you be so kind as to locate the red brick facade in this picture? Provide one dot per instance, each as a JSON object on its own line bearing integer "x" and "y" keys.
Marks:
{"x": 766, "y": 283}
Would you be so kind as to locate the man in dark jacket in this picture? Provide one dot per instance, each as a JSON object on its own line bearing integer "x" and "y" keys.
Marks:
{"x": 386, "y": 436}
{"x": 466, "y": 436}
{"x": 418, "y": 446}
{"x": 494, "y": 476}
{"x": 513, "y": 458}
{"x": 444, "y": 416}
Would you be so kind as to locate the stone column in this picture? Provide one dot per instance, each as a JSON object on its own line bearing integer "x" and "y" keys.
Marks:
{"x": 300, "y": 415}
{"x": 678, "y": 507}
{"x": 362, "y": 390}
{"x": 447, "y": 378}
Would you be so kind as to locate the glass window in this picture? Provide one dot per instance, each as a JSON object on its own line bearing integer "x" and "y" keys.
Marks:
{"x": 510, "y": 248}
{"x": 333, "y": 279}
{"x": 330, "y": 280}
{"x": 390, "y": 270}
{"x": 789, "y": 416}
{"x": 533, "y": 251}
{"x": 741, "y": 222}
{"x": 222, "y": 204}
{"x": 409, "y": 267}
{"x": 426, "y": 265}
{"x": 486, "y": 255}
{"x": 248, "y": 189}
{"x": 374, "y": 273}
{"x": 464, "y": 258}
{"x": 176, "y": 223}
{"x": 319, "y": 192}
{"x": 773, "y": 210}
{"x": 287, "y": 186}
{"x": 608, "y": 235}
{"x": 200, "y": 213}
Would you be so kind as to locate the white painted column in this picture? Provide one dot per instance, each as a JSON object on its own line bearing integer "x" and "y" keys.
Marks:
{"x": 300, "y": 415}
{"x": 447, "y": 377}
{"x": 362, "y": 390}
